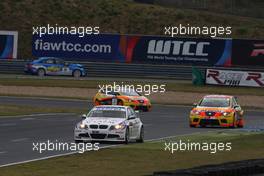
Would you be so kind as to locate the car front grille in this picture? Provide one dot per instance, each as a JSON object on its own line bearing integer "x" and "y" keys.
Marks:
{"x": 223, "y": 121}
{"x": 98, "y": 136}
{"x": 98, "y": 126}
{"x": 103, "y": 126}
{"x": 209, "y": 122}
{"x": 84, "y": 135}
{"x": 113, "y": 136}
{"x": 93, "y": 126}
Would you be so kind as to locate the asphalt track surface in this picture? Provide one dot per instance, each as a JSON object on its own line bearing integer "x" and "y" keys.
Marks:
{"x": 17, "y": 134}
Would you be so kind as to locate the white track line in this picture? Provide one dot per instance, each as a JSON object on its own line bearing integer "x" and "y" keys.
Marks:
{"x": 34, "y": 115}
{"x": 19, "y": 140}
{"x": 7, "y": 124}
{"x": 109, "y": 146}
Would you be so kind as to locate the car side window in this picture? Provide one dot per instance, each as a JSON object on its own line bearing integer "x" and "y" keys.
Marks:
{"x": 132, "y": 112}
{"x": 49, "y": 61}
{"x": 59, "y": 61}
{"x": 234, "y": 102}
{"x": 129, "y": 112}
{"x": 113, "y": 93}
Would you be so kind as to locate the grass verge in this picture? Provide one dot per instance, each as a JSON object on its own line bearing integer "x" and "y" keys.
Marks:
{"x": 181, "y": 86}
{"x": 14, "y": 110}
{"x": 114, "y": 16}
{"x": 144, "y": 159}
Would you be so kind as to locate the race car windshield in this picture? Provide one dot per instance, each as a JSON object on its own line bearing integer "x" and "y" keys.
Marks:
{"x": 215, "y": 102}
{"x": 130, "y": 93}
{"x": 107, "y": 113}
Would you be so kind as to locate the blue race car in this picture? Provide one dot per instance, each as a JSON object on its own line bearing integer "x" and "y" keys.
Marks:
{"x": 54, "y": 66}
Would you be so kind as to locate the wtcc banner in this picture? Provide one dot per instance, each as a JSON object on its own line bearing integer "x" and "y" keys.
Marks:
{"x": 8, "y": 44}
{"x": 167, "y": 50}
{"x": 134, "y": 49}
{"x": 234, "y": 78}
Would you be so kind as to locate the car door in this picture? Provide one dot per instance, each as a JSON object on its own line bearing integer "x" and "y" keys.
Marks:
{"x": 50, "y": 66}
{"x": 132, "y": 123}
{"x": 137, "y": 123}
{"x": 63, "y": 67}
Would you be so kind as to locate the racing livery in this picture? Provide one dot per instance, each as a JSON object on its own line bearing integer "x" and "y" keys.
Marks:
{"x": 129, "y": 97}
{"x": 217, "y": 110}
{"x": 54, "y": 66}
{"x": 110, "y": 123}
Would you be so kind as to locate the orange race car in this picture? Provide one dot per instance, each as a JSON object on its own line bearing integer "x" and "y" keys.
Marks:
{"x": 217, "y": 110}
{"x": 124, "y": 98}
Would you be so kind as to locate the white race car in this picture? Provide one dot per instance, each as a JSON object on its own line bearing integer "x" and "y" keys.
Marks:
{"x": 110, "y": 123}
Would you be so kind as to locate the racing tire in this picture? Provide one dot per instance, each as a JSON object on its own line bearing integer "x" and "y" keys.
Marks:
{"x": 234, "y": 122}
{"x": 41, "y": 72}
{"x": 97, "y": 103}
{"x": 127, "y": 136}
{"x": 240, "y": 124}
{"x": 141, "y": 137}
{"x": 192, "y": 126}
{"x": 146, "y": 109}
{"x": 76, "y": 74}
{"x": 120, "y": 102}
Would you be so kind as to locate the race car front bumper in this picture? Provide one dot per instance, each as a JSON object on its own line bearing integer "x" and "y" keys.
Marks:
{"x": 99, "y": 135}
{"x": 221, "y": 121}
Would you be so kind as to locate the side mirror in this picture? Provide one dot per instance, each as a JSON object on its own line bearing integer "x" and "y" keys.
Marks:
{"x": 237, "y": 108}
{"x": 83, "y": 116}
{"x": 195, "y": 104}
{"x": 131, "y": 117}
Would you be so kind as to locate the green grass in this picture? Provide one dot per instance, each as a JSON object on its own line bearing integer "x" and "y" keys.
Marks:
{"x": 113, "y": 16}
{"x": 144, "y": 159}
{"x": 14, "y": 110}
{"x": 253, "y": 8}
{"x": 180, "y": 86}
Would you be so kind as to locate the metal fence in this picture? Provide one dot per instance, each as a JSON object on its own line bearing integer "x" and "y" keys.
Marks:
{"x": 116, "y": 70}
{"x": 98, "y": 69}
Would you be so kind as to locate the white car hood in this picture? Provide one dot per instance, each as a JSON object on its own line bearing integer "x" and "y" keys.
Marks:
{"x": 103, "y": 120}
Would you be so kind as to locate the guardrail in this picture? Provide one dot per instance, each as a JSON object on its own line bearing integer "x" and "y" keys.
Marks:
{"x": 98, "y": 69}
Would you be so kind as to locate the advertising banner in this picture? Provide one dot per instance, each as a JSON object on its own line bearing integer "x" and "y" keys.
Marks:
{"x": 96, "y": 47}
{"x": 234, "y": 78}
{"x": 8, "y": 44}
{"x": 136, "y": 49}
{"x": 248, "y": 52}
{"x": 166, "y": 50}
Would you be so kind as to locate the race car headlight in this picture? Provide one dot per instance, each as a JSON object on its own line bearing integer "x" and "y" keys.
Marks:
{"x": 83, "y": 126}
{"x": 119, "y": 126}
{"x": 195, "y": 112}
{"x": 226, "y": 113}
